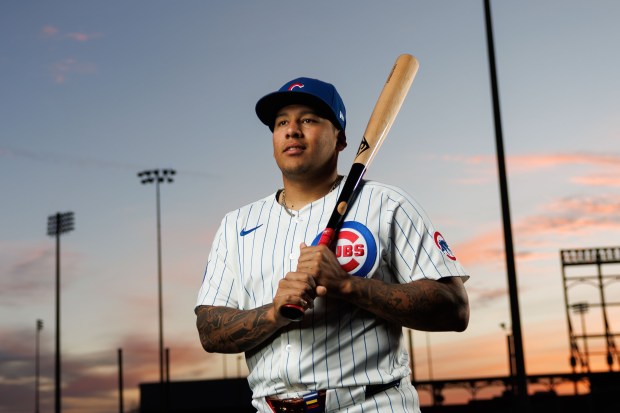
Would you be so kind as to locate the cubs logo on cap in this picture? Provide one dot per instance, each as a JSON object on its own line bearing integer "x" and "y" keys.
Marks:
{"x": 294, "y": 85}
{"x": 321, "y": 96}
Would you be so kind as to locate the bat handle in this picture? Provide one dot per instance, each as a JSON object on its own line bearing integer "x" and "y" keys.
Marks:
{"x": 292, "y": 312}
{"x": 327, "y": 236}
{"x": 295, "y": 312}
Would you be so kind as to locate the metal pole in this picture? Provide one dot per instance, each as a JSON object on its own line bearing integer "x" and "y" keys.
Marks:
{"x": 162, "y": 382}
{"x": 585, "y": 339}
{"x": 37, "y": 369}
{"x": 411, "y": 356}
{"x": 167, "y": 384}
{"x": 120, "y": 381}
{"x": 57, "y": 352}
{"x": 56, "y": 225}
{"x": 608, "y": 337}
{"x": 521, "y": 379}
{"x": 158, "y": 176}
{"x": 430, "y": 367}
{"x": 511, "y": 360}
{"x": 159, "y": 288}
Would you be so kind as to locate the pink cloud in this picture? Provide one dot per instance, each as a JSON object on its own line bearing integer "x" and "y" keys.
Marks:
{"x": 91, "y": 379}
{"x": 575, "y": 215}
{"x": 603, "y": 204}
{"x": 567, "y": 216}
{"x": 485, "y": 166}
{"x": 530, "y": 162}
{"x": 598, "y": 180}
{"x": 82, "y": 37}
{"x": 66, "y": 67}
{"x": 484, "y": 247}
{"x": 49, "y": 31}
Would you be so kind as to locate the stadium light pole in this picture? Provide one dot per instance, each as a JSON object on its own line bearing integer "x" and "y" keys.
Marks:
{"x": 58, "y": 224}
{"x": 521, "y": 392}
{"x": 158, "y": 176}
{"x": 37, "y": 364}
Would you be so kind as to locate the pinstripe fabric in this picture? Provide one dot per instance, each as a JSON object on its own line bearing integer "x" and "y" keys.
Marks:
{"x": 337, "y": 345}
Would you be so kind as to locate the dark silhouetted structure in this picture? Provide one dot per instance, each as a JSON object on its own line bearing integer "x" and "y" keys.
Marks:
{"x": 594, "y": 260}
{"x": 159, "y": 176}
{"x": 58, "y": 224}
{"x": 234, "y": 395}
{"x": 519, "y": 378}
{"x": 206, "y": 396}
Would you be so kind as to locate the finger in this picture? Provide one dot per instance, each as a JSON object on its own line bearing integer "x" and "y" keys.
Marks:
{"x": 321, "y": 291}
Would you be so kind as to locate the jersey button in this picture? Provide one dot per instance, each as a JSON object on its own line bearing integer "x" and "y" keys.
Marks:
{"x": 288, "y": 348}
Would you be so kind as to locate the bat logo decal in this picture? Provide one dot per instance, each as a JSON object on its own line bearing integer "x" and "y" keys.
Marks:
{"x": 364, "y": 146}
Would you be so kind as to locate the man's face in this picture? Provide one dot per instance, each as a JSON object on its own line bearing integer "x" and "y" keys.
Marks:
{"x": 305, "y": 145}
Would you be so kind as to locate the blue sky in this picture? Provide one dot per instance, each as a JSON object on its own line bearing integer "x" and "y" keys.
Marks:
{"x": 94, "y": 92}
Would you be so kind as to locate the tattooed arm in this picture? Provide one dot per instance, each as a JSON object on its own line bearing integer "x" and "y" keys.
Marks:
{"x": 427, "y": 305}
{"x": 228, "y": 330}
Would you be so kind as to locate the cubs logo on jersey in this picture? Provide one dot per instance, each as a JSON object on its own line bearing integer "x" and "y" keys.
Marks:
{"x": 443, "y": 246}
{"x": 356, "y": 248}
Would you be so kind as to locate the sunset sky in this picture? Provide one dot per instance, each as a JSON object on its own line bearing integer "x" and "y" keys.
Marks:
{"x": 94, "y": 92}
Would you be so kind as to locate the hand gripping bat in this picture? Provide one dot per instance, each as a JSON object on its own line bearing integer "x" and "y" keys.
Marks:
{"x": 383, "y": 115}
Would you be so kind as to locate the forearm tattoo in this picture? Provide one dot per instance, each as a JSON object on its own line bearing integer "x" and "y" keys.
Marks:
{"x": 228, "y": 330}
{"x": 426, "y": 305}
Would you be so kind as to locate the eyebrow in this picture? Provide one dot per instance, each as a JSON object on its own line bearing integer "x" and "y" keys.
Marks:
{"x": 282, "y": 112}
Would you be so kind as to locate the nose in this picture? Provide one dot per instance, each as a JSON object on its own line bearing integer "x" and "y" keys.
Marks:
{"x": 293, "y": 130}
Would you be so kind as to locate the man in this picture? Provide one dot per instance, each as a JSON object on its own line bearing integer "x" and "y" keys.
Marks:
{"x": 390, "y": 269}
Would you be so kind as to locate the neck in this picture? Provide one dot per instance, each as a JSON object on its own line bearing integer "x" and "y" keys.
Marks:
{"x": 299, "y": 194}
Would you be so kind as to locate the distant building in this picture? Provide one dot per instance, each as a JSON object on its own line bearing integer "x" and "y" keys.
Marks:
{"x": 204, "y": 396}
{"x": 235, "y": 396}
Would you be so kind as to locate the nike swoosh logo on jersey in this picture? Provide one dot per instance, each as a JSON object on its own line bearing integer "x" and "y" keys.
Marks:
{"x": 245, "y": 232}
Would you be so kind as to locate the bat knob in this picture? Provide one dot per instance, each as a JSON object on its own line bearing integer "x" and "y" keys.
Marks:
{"x": 292, "y": 312}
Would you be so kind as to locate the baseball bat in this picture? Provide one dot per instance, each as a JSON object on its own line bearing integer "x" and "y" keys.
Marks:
{"x": 383, "y": 115}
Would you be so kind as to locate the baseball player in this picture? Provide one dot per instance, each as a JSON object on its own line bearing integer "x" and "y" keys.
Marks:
{"x": 391, "y": 268}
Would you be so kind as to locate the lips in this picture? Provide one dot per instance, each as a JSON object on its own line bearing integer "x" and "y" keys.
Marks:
{"x": 294, "y": 149}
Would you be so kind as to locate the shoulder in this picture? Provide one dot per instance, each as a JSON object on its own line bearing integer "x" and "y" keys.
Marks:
{"x": 395, "y": 197}
{"x": 381, "y": 187}
{"x": 259, "y": 206}
{"x": 392, "y": 192}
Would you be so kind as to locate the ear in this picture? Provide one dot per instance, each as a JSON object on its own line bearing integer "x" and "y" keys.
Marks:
{"x": 342, "y": 141}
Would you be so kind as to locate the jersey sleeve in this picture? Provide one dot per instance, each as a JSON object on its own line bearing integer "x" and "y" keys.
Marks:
{"x": 219, "y": 280}
{"x": 418, "y": 249}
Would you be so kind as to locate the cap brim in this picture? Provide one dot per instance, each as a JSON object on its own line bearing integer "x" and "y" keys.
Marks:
{"x": 268, "y": 106}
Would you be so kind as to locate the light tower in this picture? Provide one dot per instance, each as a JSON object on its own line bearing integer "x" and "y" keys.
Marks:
{"x": 158, "y": 176}
{"x": 58, "y": 224}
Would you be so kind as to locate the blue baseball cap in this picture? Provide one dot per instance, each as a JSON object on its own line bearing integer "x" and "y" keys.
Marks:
{"x": 321, "y": 96}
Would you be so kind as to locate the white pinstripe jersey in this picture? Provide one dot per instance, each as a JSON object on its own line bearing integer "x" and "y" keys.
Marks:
{"x": 386, "y": 235}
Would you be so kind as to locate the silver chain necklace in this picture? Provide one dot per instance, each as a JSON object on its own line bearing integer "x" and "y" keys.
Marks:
{"x": 283, "y": 196}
